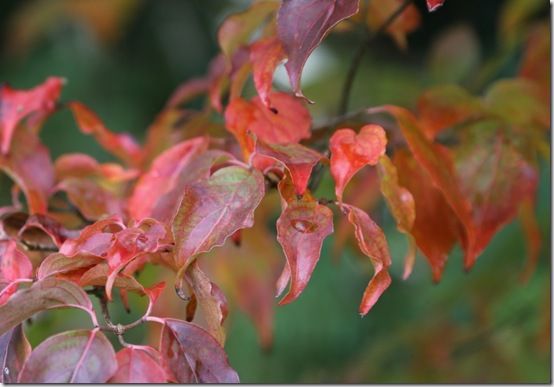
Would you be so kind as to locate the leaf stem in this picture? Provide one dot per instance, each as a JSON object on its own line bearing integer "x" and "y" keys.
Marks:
{"x": 358, "y": 56}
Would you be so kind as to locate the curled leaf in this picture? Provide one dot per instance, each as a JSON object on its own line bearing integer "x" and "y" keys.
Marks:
{"x": 265, "y": 55}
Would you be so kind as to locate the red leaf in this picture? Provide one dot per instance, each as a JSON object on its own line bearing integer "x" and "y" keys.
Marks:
{"x": 14, "y": 351}
{"x": 287, "y": 122}
{"x": 28, "y": 164}
{"x": 351, "y": 152}
{"x": 407, "y": 21}
{"x": 302, "y": 25}
{"x": 35, "y": 104}
{"x": 298, "y": 159}
{"x": 433, "y": 5}
{"x": 402, "y": 206}
{"x": 63, "y": 267}
{"x": 211, "y": 300}
{"x": 139, "y": 364}
{"x": 162, "y": 177}
{"x": 372, "y": 242}
{"x": 121, "y": 145}
{"x": 214, "y": 209}
{"x": 301, "y": 229}
{"x": 265, "y": 55}
{"x": 436, "y": 228}
{"x": 193, "y": 356}
{"x": 80, "y": 356}
{"x": 95, "y": 239}
{"x": 14, "y": 266}
{"x": 45, "y": 294}
{"x": 436, "y": 160}
{"x": 496, "y": 179}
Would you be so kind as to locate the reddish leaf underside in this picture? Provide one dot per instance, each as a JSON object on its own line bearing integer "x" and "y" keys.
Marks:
{"x": 350, "y": 152}
{"x": 302, "y": 25}
{"x": 265, "y": 55}
{"x": 193, "y": 356}
{"x": 80, "y": 356}
{"x": 14, "y": 265}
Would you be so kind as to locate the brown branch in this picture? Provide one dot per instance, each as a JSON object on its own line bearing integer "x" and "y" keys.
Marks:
{"x": 358, "y": 56}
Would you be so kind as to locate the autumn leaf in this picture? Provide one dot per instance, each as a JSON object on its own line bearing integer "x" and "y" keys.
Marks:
{"x": 350, "y": 152}
{"x": 162, "y": 177}
{"x": 193, "y": 356}
{"x": 265, "y": 55}
{"x": 433, "y": 5}
{"x": 29, "y": 165}
{"x": 121, "y": 145}
{"x": 301, "y": 229}
{"x": 436, "y": 228}
{"x": 211, "y": 300}
{"x": 437, "y": 162}
{"x": 139, "y": 364}
{"x": 14, "y": 351}
{"x": 42, "y": 295}
{"x": 401, "y": 205}
{"x": 214, "y": 209}
{"x": 34, "y": 104}
{"x": 298, "y": 159}
{"x": 372, "y": 242}
{"x": 14, "y": 266}
{"x": 80, "y": 356}
{"x": 288, "y": 121}
{"x": 302, "y": 25}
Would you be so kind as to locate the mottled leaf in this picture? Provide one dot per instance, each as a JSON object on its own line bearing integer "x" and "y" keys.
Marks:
{"x": 193, "y": 356}
{"x": 302, "y": 25}
{"x": 350, "y": 152}
{"x": 214, "y": 209}
{"x": 80, "y": 356}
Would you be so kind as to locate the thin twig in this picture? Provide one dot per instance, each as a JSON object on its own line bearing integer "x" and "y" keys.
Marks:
{"x": 358, "y": 56}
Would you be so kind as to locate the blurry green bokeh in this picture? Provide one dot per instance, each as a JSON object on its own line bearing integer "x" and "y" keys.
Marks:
{"x": 481, "y": 326}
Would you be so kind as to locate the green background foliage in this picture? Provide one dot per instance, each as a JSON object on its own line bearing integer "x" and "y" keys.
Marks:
{"x": 481, "y": 326}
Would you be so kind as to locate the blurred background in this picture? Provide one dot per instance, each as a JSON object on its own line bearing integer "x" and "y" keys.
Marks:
{"x": 123, "y": 58}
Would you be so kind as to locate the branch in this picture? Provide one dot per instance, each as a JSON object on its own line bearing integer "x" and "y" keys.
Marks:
{"x": 358, "y": 56}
